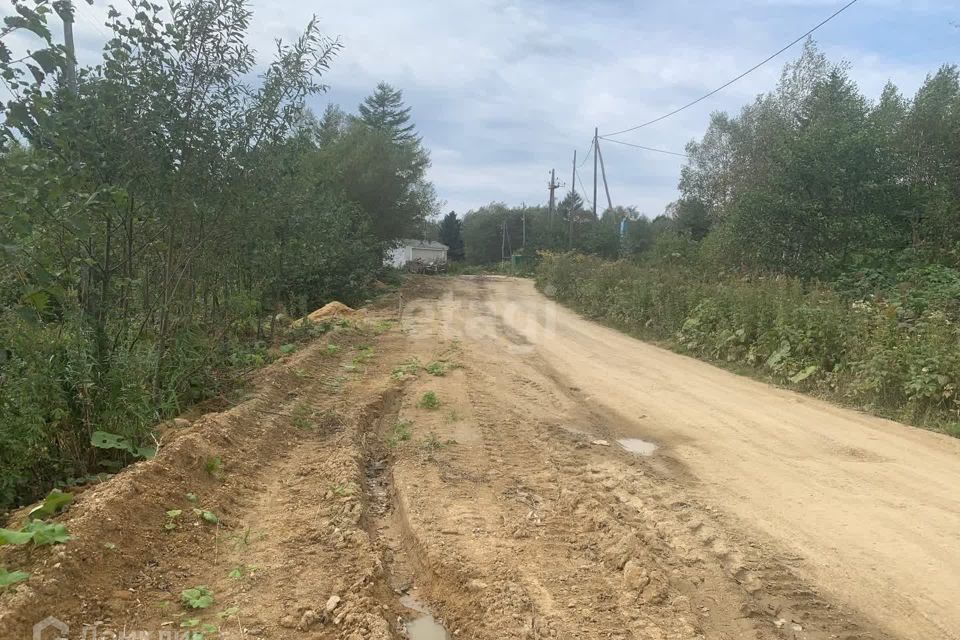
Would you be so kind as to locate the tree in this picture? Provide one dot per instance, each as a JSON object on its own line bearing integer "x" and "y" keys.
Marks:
{"x": 690, "y": 218}
{"x": 384, "y": 111}
{"x": 151, "y": 222}
{"x": 451, "y": 234}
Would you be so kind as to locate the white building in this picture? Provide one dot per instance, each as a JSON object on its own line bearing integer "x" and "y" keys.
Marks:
{"x": 426, "y": 251}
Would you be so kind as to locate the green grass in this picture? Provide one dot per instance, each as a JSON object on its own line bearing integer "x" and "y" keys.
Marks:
{"x": 429, "y": 400}
{"x": 401, "y": 433}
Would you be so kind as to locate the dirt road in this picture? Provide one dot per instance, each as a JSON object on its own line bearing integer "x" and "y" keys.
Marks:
{"x": 869, "y": 507}
{"x": 454, "y": 472}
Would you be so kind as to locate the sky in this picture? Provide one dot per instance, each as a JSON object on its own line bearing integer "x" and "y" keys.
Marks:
{"x": 503, "y": 91}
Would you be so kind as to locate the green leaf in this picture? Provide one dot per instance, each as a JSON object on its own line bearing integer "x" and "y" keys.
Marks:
{"x": 192, "y": 497}
{"x": 777, "y": 356}
{"x": 37, "y": 300}
{"x": 8, "y": 578}
{"x": 45, "y": 533}
{"x": 174, "y": 513}
{"x": 54, "y": 501}
{"x": 47, "y": 60}
{"x": 147, "y": 453}
{"x": 9, "y": 536}
{"x": 209, "y": 516}
{"x": 190, "y": 624}
{"x": 197, "y": 598}
{"x": 803, "y": 375}
{"x": 105, "y": 440}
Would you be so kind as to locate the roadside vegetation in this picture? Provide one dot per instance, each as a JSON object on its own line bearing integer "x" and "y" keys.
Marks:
{"x": 161, "y": 219}
{"x": 816, "y": 242}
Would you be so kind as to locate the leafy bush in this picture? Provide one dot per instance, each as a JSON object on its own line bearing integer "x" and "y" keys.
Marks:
{"x": 429, "y": 400}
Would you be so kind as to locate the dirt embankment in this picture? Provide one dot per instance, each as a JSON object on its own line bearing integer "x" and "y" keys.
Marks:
{"x": 440, "y": 464}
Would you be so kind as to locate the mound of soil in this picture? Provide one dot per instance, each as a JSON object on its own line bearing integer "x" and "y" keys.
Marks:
{"x": 330, "y": 310}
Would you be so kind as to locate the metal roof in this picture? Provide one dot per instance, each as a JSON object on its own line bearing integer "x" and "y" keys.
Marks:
{"x": 424, "y": 244}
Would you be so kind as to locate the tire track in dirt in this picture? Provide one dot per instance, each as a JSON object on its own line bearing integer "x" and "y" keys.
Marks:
{"x": 575, "y": 540}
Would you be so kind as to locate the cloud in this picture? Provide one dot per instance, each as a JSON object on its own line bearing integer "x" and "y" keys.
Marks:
{"x": 504, "y": 90}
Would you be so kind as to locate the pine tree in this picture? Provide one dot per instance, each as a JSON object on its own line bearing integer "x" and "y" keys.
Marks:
{"x": 451, "y": 235}
{"x": 384, "y": 111}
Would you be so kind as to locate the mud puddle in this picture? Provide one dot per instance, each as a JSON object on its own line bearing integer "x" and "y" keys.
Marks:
{"x": 638, "y": 446}
{"x": 424, "y": 626}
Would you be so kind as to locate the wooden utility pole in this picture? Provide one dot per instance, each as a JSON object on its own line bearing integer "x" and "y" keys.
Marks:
{"x": 596, "y": 154}
{"x": 503, "y": 240}
{"x": 573, "y": 187}
{"x": 65, "y": 10}
{"x": 606, "y": 187}
{"x": 523, "y": 217}
{"x": 553, "y": 186}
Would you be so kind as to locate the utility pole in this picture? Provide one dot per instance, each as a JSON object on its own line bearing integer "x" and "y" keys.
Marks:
{"x": 573, "y": 187}
{"x": 596, "y": 154}
{"x": 553, "y": 186}
{"x": 65, "y": 9}
{"x": 503, "y": 240}
{"x": 606, "y": 187}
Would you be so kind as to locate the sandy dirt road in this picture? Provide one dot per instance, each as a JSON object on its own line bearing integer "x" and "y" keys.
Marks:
{"x": 347, "y": 507}
{"x": 870, "y": 507}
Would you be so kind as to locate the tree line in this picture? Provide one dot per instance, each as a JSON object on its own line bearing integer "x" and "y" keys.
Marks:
{"x": 812, "y": 179}
{"x": 157, "y": 217}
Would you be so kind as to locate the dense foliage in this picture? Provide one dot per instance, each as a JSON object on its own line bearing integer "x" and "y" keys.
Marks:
{"x": 497, "y": 231}
{"x": 814, "y": 180}
{"x": 156, "y": 219}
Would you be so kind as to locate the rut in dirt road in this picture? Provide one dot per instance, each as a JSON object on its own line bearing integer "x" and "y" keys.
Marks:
{"x": 556, "y": 537}
{"x": 867, "y": 507}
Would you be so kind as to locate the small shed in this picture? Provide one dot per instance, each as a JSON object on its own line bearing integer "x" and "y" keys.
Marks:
{"x": 425, "y": 251}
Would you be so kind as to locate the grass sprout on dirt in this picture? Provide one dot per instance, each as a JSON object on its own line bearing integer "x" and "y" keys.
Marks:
{"x": 408, "y": 368}
{"x": 341, "y": 489}
{"x": 401, "y": 433}
{"x": 440, "y": 367}
{"x": 431, "y": 442}
{"x": 429, "y": 400}
{"x": 302, "y": 416}
{"x": 199, "y": 597}
{"x": 365, "y": 354}
{"x": 242, "y": 571}
{"x": 172, "y": 516}
{"x": 214, "y": 466}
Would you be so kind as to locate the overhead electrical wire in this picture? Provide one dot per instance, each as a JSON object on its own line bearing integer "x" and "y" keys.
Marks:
{"x": 640, "y": 146}
{"x": 745, "y": 73}
{"x": 582, "y": 188}
{"x": 586, "y": 156}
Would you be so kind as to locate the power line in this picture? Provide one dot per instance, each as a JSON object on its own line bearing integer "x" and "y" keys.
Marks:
{"x": 585, "y": 198}
{"x": 745, "y": 73}
{"x": 586, "y": 156}
{"x": 640, "y": 146}
{"x": 93, "y": 23}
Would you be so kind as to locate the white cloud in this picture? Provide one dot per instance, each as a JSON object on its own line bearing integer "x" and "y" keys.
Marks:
{"x": 503, "y": 90}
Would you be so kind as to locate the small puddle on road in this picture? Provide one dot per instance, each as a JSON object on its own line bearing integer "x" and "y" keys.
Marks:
{"x": 638, "y": 446}
{"x": 424, "y": 627}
